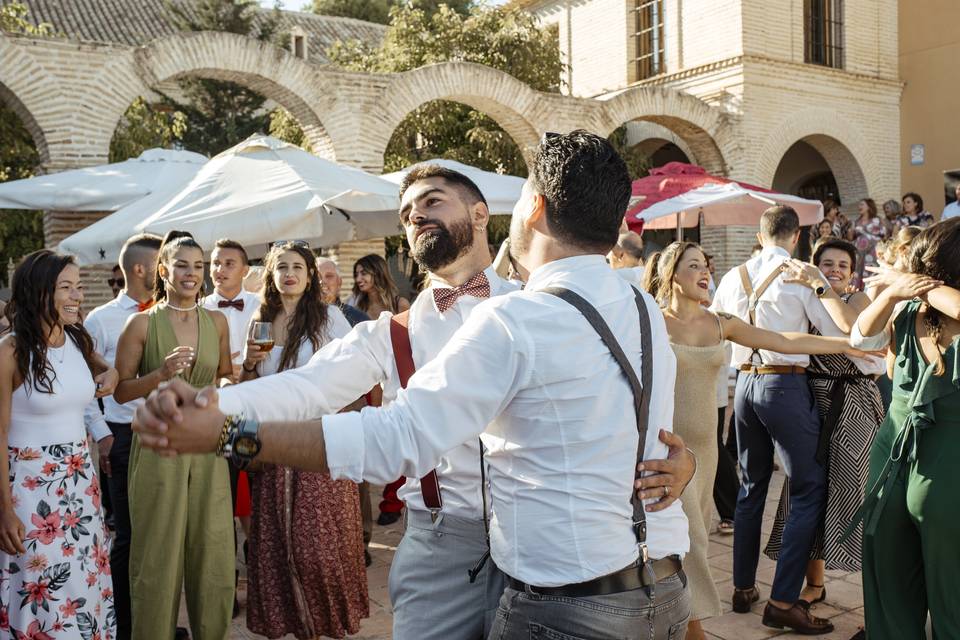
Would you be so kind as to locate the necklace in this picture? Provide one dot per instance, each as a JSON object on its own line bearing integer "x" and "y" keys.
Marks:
{"x": 170, "y": 306}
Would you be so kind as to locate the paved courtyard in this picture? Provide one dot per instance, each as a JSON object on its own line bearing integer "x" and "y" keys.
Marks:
{"x": 844, "y": 604}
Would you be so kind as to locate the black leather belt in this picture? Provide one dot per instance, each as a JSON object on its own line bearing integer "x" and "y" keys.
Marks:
{"x": 627, "y": 579}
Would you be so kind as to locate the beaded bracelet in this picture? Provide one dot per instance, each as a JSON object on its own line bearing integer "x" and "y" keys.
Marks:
{"x": 228, "y": 423}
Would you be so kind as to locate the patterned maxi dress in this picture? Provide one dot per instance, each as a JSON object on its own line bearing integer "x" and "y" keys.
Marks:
{"x": 866, "y": 236}
{"x": 307, "y": 572}
{"x": 61, "y": 587}
{"x": 850, "y": 411}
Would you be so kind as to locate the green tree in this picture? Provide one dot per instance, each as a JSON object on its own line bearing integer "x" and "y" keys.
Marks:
{"x": 379, "y": 10}
{"x": 145, "y": 127}
{"x": 284, "y": 126}
{"x": 638, "y": 163}
{"x": 20, "y": 231}
{"x": 220, "y": 114}
{"x": 505, "y": 39}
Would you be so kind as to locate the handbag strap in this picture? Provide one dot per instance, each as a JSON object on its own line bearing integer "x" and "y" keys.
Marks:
{"x": 641, "y": 389}
{"x": 403, "y": 356}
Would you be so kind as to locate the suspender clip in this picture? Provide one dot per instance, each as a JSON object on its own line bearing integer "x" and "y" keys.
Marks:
{"x": 434, "y": 515}
{"x": 644, "y": 553}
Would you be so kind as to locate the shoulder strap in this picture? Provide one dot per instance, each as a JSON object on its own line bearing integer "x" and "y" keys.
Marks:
{"x": 641, "y": 390}
{"x": 403, "y": 355}
{"x": 753, "y": 296}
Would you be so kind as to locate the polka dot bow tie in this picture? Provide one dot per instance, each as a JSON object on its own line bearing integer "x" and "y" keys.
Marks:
{"x": 478, "y": 286}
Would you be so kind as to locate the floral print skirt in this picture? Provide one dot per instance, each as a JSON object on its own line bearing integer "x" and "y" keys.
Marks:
{"x": 61, "y": 587}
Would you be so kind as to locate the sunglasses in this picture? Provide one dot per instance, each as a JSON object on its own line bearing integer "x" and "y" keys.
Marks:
{"x": 119, "y": 282}
{"x": 296, "y": 243}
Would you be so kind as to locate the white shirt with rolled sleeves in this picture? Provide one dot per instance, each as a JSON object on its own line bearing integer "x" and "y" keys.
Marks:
{"x": 782, "y": 307}
{"x": 562, "y": 435}
{"x": 346, "y": 369}
{"x": 105, "y": 324}
{"x": 238, "y": 321}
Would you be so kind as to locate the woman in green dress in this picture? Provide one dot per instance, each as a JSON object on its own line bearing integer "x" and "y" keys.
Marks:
{"x": 180, "y": 508}
{"x": 911, "y": 559}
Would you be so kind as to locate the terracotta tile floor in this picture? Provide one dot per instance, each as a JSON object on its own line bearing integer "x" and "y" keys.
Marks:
{"x": 844, "y": 604}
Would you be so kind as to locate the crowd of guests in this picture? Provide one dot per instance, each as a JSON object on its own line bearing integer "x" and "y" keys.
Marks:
{"x": 846, "y": 370}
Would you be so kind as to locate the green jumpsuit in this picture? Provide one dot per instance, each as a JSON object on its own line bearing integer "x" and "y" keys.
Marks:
{"x": 911, "y": 544}
{"x": 180, "y": 515}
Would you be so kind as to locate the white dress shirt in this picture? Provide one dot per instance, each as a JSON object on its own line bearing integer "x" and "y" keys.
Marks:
{"x": 105, "y": 324}
{"x": 337, "y": 327}
{"x": 346, "y": 369}
{"x": 952, "y": 210}
{"x": 562, "y": 435}
{"x": 633, "y": 275}
{"x": 782, "y": 307}
{"x": 238, "y": 321}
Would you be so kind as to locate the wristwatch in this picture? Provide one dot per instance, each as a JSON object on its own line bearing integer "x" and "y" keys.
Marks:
{"x": 820, "y": 289}
{"x": 243, "y": 442}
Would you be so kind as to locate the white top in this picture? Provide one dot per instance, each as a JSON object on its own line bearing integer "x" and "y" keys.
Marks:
{"x": 782, "y": 307}
{"x": 952, "y": 210}
{"x": 881, "y": 341}
{"x": 105, "y": 324}
{"x": 38, "y": 419}
{"x": 346, "y": 369}
{"x": 238, "y": 321}
{"x": 562, "y": 435}
{"x": 633, "y": 275}
{"x": 337, "y": 327}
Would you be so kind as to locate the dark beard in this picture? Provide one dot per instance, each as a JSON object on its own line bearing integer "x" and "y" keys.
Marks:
{"x": 438, "y": 248}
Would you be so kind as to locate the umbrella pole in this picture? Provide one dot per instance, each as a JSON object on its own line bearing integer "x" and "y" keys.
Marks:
{"x": 679, "y": 226}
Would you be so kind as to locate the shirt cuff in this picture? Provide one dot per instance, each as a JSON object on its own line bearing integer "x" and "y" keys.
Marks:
{"x": 868, "y": 343}
{"x": 98, "y": 429}
{"x": 230, "y": 403}
{"x": 343, "y": 440}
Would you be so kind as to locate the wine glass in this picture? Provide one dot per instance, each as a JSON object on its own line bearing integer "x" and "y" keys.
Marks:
{"x": 261, "y": 334}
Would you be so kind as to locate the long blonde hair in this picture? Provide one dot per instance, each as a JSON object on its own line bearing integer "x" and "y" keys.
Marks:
{"x": 660, "y": 268}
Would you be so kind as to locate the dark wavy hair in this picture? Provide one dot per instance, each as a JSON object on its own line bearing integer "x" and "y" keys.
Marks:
{"x": 172, "y": 242}
{"x": 935, "y": 252}
{"x": 827, "y": 243}
{"x": 309, "y": 321}
{"x": 31, "y": 311}
{"x": 382, "y": 282}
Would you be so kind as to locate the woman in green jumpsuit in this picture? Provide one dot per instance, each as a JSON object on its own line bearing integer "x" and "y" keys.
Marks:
{"x": 911, "y": 548}
{"x": 180, "y": 508}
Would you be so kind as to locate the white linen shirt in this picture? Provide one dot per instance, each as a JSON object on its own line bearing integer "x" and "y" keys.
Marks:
{"x": 633, "y": 275}
{"x": 345, "y": 369}
{"x": 562, "y": 435}
{"x": 782, "y": 307}
{"x": 238, "y": 321}
{"x": 105, "y": 324}
{"x": 952, "y": 210}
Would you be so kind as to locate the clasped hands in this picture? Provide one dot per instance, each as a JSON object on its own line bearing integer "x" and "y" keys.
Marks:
{"x": 178, "y": 419}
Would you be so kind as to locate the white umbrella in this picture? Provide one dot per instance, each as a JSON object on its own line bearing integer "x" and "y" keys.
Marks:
{"x": 501, "y": 191}
{"x": 105, "y": 187}
{"x": 264, "y": 190}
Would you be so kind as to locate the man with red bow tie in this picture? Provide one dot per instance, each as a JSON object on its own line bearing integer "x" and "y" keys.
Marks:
{"x": 229, "y": 265}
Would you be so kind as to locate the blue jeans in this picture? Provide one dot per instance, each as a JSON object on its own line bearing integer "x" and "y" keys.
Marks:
{"x": 629, "y": 615}
{"x": 777, "y": 412}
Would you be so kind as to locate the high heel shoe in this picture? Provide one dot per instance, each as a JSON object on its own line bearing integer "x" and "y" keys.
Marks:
{"x": 823, "y": 596}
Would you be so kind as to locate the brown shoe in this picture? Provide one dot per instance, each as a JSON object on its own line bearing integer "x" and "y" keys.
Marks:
{"x": 797, "y": 618}
{"x": 743, "y": 598}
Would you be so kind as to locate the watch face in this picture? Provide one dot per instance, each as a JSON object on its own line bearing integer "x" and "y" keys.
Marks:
{"x": 246, "y": 446}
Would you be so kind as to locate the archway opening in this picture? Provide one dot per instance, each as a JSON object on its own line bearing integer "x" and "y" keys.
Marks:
{"x": 21, "y": 231}
{"x": 804, "y": 172}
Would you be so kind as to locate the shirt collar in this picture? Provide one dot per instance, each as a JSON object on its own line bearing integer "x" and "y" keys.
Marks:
{"x": 774, "y": 251}
{"x": 125, "y": 301}
{"x": 543, "y": 275}
{"x": 490, "y": 272}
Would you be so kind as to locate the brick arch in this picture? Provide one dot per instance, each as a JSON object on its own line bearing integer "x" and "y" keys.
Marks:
{"x": 20, "y": 90}
{"x": 702, "y": 127}
{"x": 267, "y": 69}
{"x": 838, "y": 140}
{"x": 508, "y": 101}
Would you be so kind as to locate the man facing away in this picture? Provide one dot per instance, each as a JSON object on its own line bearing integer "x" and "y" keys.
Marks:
{"x": 774, "y": 410}
{"x": 561, "y": 441}
{"x": 138, "y": 259}
{"x": 627, "y": 257}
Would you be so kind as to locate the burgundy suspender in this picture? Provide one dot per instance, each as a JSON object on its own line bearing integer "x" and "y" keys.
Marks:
{"x": 403, "y": 354}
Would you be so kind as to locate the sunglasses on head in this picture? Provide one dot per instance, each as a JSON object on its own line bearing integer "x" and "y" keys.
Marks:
{"x": 119, "y": 282}
{"x": 296, "y": 243}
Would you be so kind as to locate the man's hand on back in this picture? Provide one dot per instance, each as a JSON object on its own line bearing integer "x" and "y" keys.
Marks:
{"x": 669, "y": 476}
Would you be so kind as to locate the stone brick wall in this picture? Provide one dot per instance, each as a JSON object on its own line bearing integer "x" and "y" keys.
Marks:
{"x": 57, "y": 226}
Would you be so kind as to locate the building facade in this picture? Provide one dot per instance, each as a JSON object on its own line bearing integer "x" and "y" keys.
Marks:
{"x": 809, "y": 89}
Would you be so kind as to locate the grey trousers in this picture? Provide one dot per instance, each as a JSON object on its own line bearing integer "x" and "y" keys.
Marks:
{"x": 429, "y": 587}
{"x": 629, "y": 615}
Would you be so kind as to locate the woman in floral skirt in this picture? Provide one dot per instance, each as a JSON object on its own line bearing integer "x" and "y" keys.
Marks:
{"x": 54, "y": 558}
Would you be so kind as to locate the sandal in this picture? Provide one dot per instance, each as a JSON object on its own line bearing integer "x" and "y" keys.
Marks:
{"x": 823, "y": 596}
{"x": 725, "y": 527}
